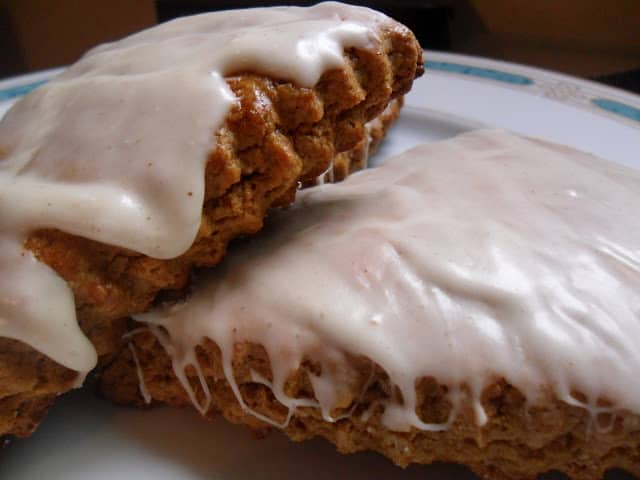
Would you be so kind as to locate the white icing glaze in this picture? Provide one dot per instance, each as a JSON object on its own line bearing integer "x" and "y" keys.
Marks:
{"x": 487, "y": 256}
{"x": 114, "y": 149}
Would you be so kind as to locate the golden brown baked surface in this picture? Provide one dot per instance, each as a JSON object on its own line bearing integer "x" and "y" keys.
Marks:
{"x": 277, "y": 135}
{"x": 519, "y": 441}
{"x": 357, "y": 157}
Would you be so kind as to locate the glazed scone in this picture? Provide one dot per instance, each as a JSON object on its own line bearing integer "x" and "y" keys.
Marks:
{"x": 146, "y": 157}
{"x": 472, "y": 301}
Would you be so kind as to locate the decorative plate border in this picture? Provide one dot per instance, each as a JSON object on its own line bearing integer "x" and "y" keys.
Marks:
{"x": 15, "y": 87}
{"x": 10, "y": 93}
{"x": 594, "y": 97}
{"x": 614, "y": 103}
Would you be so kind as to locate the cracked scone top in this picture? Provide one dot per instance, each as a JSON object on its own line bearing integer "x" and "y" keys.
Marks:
{"x": 114, "y": 149}
{"x": 483, "y": 257}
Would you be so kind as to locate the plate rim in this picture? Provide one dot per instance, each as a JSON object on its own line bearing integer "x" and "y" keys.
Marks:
{"x": 533, "y": 71}
{"x": 600, "y": 99}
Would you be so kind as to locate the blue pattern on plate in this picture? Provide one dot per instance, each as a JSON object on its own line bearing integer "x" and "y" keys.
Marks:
{"x": 19, "y": 90}
{"x": 479, "y": 72}
{"x": 618, "y": 108}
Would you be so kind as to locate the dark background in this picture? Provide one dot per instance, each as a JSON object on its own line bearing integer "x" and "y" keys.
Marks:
{"x": 597, "y": 39}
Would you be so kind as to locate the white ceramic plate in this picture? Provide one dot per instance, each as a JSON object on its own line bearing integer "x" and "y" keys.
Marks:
{"x": 86, "y": 438}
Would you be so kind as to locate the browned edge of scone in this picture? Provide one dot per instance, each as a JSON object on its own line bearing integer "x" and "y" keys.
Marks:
{"x": 519, "y": 441}
{"x": 357, "y": 158}
{"x": 278, "y": 135}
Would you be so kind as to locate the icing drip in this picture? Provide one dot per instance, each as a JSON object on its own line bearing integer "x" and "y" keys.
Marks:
{"x": 484, "y": 257}
{"x": 329, "y": 174}
{"x": 114, "y": 149}
{"x": 141, "y": 383}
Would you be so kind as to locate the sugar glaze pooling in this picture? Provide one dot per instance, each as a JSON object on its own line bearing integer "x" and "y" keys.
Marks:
{"x": 486, "y": 256}
{"x": 114, "y": 148}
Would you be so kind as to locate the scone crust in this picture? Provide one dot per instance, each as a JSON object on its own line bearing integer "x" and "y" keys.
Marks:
{"x": 519, "y": 441}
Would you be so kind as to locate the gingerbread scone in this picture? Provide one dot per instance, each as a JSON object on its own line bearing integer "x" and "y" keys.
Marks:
{"x": 471, "y": 301}
{"x": 146, "y": 157}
